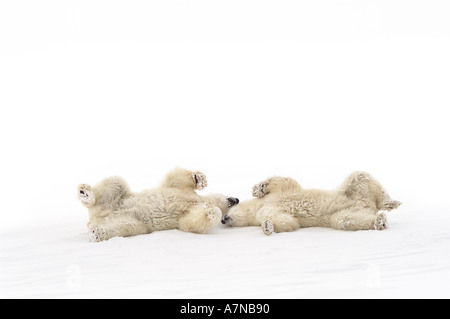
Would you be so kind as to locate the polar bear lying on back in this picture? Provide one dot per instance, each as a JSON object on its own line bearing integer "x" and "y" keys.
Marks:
{"x": 281, "y": 205}
{"x": 114, "y": 210}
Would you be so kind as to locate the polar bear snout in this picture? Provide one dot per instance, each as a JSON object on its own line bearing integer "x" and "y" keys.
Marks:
{"x": 226, "y": 220}
{"x": 232, "y": 201}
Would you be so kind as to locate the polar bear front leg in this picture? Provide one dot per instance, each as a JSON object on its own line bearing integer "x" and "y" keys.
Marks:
{"x": 275, "y": 184}
{"x": 185, "y": 179}
{"x": 200, "y": 218}
{"x": 200, "y": 181}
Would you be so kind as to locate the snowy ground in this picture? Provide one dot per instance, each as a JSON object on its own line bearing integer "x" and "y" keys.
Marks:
{"x": 411, "y": 259}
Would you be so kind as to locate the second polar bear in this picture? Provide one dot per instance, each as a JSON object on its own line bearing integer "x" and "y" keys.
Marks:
{"x": 282, "y": 205}
{"x": 114, "y": 210}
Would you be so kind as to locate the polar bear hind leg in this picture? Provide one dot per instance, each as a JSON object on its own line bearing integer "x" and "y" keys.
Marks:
{"x": 86, "y": 195}
{"x": 361, "y": 186}
{"x": 364, "y": 219}
{"x": 279, "y": 223}
{"x": 267, "y": 227}
{"x": 389, "y": 204}
{"x": 200, "y": 218}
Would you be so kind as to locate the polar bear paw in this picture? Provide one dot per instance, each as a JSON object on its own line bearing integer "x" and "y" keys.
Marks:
{"x": 199, "y": 180}
{"x": 86, "y": 195}
{"x": 259, "y": 190}
{"x": 345, "y": 223}
{"x": 380, "y": 222}
{"x": 267, "y": 227}
{"x": 96, "y": 234}
{"x": 391, "y": 204}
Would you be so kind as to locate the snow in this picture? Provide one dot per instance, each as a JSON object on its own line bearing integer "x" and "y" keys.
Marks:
{"x": 409, "y": 260}
{"x": 240, "y": 92}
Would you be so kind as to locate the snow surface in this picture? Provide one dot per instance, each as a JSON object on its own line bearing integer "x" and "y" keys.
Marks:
{"x": 409, "y": 260}
{"x": 241, "y": 91}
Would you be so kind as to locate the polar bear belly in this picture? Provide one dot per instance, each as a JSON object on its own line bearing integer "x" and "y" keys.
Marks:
{"x": 161, "y": 210}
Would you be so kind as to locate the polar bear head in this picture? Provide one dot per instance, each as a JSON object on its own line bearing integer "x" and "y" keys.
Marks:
{"x": 222, "y": 201}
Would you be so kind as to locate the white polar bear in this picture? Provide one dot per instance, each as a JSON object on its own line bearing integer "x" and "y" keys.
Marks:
{"x": 114, "y": 210}
{"x": 281, "y": 205}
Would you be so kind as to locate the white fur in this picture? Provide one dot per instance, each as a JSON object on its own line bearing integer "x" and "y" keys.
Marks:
{"x": 114, "y": 210}
{"x": 281, "y": 205}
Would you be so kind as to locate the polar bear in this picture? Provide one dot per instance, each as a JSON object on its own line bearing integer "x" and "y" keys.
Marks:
{"x": 114, "y": 210}
{"x": 281, "y": 205}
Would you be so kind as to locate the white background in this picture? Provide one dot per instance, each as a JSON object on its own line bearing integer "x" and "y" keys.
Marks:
{"x": 241, "y": 90}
